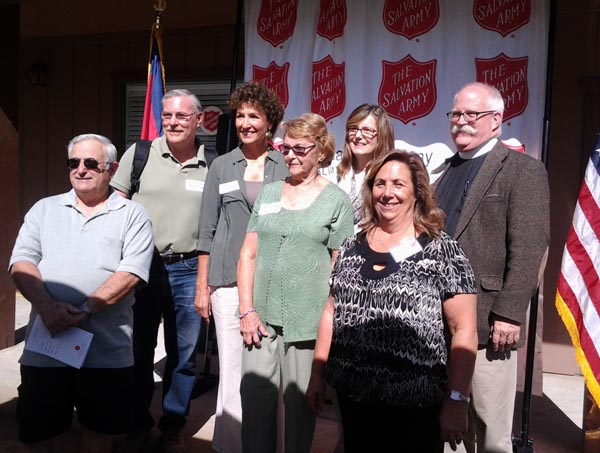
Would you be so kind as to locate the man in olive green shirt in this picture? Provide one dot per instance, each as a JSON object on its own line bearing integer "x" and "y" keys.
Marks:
{"x": 171, "y": 187}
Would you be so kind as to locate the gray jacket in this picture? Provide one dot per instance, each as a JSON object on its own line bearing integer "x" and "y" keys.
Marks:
{"x": 226, "y": 211}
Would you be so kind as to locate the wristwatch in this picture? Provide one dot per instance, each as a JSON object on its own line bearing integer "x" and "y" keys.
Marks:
{"x": 87, "y": 310}
{"x": 455, "y": 395}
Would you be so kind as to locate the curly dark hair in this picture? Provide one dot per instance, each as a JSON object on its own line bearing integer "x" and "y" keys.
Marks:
{"x": 258, "y": 96}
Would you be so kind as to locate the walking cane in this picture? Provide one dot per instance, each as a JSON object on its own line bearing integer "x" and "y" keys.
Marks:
{"x": 206, "y": 380}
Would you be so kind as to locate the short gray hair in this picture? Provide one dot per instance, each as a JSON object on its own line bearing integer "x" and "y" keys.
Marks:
{"x": 109, "y": 148}
{"x": 182, "y": 93}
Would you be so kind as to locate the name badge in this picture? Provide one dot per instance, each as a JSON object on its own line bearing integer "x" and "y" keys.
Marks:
{"x": 403, "y": 251}
{"x": 230, "y": 186}
{"x": 194, "y": 185}
{"x": 269, "y": 208}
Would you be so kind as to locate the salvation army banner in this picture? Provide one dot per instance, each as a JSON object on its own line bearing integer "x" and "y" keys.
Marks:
{"x": 409, "y": 56}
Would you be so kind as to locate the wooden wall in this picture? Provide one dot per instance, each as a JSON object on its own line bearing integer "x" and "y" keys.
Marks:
{"x": 9, "y": 163}
{"x": 9, "y": 160}
{"x": 85, "y": 91}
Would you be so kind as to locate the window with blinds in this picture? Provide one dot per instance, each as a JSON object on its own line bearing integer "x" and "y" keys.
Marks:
{"x": 211, "y": 94}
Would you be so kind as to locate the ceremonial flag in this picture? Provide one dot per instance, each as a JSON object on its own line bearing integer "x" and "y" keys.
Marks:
{"x": 578, "y": 293}
{"x": 151, "y": 123}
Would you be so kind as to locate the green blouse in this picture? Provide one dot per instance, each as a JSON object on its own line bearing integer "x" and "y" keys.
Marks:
{"x": 293, "y": 261}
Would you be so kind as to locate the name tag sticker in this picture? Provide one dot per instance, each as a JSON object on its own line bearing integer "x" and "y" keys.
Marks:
{"x": 230, "y": 186}
{"x": 270, "y": 208}
{"x": 194, "y": 185}
{"x": 403, "y": 251}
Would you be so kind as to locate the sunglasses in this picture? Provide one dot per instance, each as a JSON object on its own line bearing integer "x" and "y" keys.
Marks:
{"x": 89, "y": 163}
{"x": 299, "y": 150}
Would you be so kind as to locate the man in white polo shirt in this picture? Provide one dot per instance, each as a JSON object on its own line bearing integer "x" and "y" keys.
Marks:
{"x": 77, "y": 259}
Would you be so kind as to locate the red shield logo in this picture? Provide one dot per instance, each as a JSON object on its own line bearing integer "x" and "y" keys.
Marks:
{"x": 210, "y": 119}
{"x": 503, "y": 17}
{"x": 332, "y": 19}
{"x": 274, "y": 77}
{"x": 412, "y": 18}
{"x": 328, "y": 88}
{"x": 276, "y": 20}
{"x": 408, "y": 89}
{"x": 509, "y": 76}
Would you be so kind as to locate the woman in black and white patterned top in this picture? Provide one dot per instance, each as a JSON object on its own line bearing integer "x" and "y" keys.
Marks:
{"x": 398, "y": 337}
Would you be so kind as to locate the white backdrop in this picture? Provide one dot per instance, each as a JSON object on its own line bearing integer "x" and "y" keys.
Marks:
{"x": 409, "y": 56}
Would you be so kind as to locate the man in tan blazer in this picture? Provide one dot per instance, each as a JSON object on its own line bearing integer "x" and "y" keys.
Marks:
{"x": 496, "y": 202}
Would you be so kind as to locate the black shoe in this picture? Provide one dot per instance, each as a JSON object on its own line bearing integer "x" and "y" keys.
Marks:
{"x": 134, "y": 442}
{"x": 172, "y": 441}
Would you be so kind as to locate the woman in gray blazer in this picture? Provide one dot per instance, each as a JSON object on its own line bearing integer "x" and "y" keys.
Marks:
{"x": 232, "y": 185}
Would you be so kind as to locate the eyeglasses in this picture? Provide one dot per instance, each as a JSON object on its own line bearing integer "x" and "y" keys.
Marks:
{"x": 299, "y": 150}
{"x": 89, "y": 163}
{"x": 366, "y": 132}
{"x": 468, "y": 116}
{"x": 181, "y": 117}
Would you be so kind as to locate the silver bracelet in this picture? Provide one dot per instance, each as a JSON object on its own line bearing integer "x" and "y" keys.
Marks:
{"x": 243, "y": 315}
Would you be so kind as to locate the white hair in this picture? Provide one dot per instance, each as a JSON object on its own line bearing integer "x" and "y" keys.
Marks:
{"x": 109, "y": 148}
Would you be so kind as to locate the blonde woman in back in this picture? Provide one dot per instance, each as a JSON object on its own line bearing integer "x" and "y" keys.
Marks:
{"x": 369, "y": 135}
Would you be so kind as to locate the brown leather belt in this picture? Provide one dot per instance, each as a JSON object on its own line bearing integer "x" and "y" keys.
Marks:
{"x": 171, "y": 258}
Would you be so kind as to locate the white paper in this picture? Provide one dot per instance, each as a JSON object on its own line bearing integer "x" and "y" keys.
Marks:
{"x": 269, "y": 208}
{"x": 70, "y": 346}
{"x": 194, "y": 185}
{"x": 227, "y": 187}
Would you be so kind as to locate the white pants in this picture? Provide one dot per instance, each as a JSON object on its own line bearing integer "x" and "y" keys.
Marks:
{"x": 492, "y": 403}
{"x": 227, "y": 436}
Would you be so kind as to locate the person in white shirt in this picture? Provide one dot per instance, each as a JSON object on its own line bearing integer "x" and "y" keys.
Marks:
{"x": 369, "y": 135}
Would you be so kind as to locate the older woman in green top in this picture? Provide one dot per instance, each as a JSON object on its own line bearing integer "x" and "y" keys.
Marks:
{"x": 293, "y": 237}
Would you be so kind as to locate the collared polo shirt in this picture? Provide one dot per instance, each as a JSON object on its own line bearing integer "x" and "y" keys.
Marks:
{"x": 170, "y": 192}
{"x": 76, "y": 255}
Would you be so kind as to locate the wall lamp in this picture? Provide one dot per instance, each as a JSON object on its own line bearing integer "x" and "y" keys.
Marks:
{"x": 37, "y": 74}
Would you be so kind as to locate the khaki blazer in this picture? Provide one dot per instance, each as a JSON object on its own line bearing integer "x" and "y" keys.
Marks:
{"x": 504, "y": 229}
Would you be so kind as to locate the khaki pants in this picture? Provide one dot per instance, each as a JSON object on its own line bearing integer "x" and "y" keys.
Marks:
{"x": 492, "y": 403}
{"x": 264, "y": 371}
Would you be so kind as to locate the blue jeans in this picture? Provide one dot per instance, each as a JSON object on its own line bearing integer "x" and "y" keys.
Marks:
{"x": 169, "y": 294}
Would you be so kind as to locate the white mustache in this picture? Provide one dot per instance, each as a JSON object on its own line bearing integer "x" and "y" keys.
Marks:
{"x": 465, "y": 129}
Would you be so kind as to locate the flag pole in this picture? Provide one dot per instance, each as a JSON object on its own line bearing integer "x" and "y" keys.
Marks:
{"x": 523, "y": 444}
{"x": 234, "y": 65}
{"x": 155, "y": 83}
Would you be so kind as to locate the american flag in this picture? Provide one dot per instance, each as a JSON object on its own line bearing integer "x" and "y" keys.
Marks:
{"x": 578, "y": 293}
{"x": 152, "y": 123}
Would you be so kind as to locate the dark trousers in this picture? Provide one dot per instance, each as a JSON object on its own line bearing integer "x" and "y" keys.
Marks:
{"x": 389, "y": 428}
